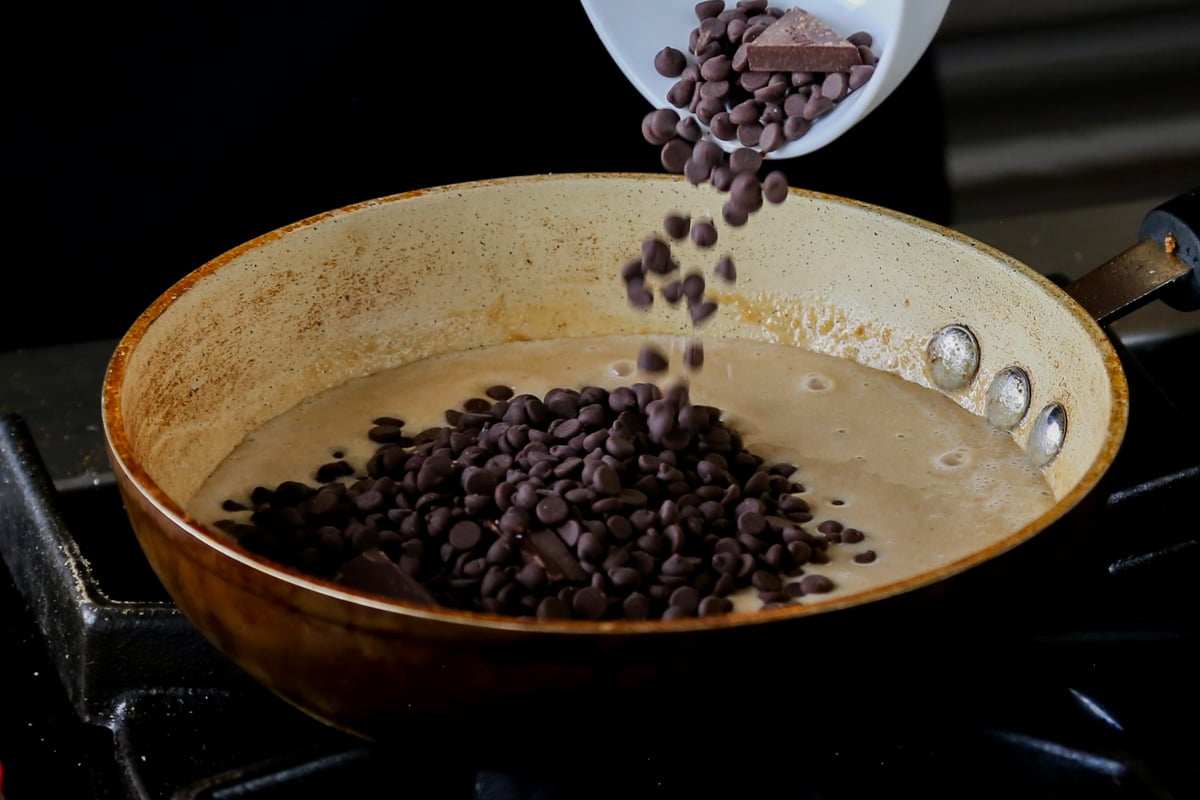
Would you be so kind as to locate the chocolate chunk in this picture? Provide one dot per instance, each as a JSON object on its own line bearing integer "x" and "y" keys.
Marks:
{"x": 372, "y": 571}
{"x": 799, "y": 42}
{"x": 548, "y": 551}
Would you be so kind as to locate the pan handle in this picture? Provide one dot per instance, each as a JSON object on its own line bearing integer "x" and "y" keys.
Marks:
{"x": 1164, "y": 264}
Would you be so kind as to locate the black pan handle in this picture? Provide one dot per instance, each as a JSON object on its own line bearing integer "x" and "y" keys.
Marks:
{"x": 1178, "y": 219}
{"x": 1165, "y": 264}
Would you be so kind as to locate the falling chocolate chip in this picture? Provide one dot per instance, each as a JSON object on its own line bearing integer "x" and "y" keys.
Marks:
{"x": 652, "y": 359}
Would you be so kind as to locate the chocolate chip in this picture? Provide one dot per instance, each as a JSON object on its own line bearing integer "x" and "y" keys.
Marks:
{"x": 734, "y": 214}
{"x": 386, "y": 432}
{"x": 333, "y": 470}
{"x": 745, "y": 112}
{"x": 722, "y": 177}
{"x": 860, "y": 74}
{"x": 700, "y": 312}
{"x": 750, "y": 133}
{"x": 669, "y": 62}
{"x": 745, "y": 159}
{"x": 745, "y": 190}
{"x": 714, "y": 606}
{"x": 465, "y": 534}
{"x": 552, "y": 608}
{"x": 552, "y": 510}
{"x": 709, "y": 8}
{"x": 725, "y": 269}
{"x": 675, "y": 155}
{"x": 639, "y": 296}
{"x": 775, "y": 187}
{"x": 693, "y": 286}
{"x": 652, "y": 359}
{"x": 590, "y": 603}
{"x": 656, "y": 255}
{"x": 772, "y": 137}
{"x": 680, "y": 95}
{"x": 817, "y": 105}
{"x": 795, "y": 127}
{"x": 708, "y": 155}
{"x": 816, "y": 584}
{"x": 688, "y": 128}
{"x": 677, "y": 226}
{"x": 836, "y": 85}
{"x": 704, "y": 233}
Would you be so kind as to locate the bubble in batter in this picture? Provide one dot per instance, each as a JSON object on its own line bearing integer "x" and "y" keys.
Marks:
{"x": 816, "y": 383}
{"x": 622, "y": 368}
{"x": 955, "y": 458}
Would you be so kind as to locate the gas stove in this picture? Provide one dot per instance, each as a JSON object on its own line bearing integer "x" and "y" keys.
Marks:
{"x": 106, "y": 691}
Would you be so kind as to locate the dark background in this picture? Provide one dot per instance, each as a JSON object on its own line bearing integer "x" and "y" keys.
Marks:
{"x": 143, "y": 143}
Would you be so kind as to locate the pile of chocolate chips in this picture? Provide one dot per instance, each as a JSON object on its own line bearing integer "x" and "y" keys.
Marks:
{"x": 592, "y": 504}
{"x": 717, "y": 84}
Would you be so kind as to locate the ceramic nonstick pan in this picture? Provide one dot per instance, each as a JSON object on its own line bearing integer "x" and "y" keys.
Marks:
{"x": 384, "y": 282}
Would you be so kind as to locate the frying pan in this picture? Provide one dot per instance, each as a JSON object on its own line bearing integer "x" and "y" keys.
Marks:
{"x": 384, "y": 282}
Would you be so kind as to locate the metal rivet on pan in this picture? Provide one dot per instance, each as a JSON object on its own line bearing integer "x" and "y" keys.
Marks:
{"x": 1008, "y": 397}
{"x": 953, "y": 356}
{"x": 1047, "y": 435}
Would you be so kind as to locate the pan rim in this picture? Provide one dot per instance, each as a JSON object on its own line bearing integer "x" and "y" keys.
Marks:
{"x": 129, "y": 470}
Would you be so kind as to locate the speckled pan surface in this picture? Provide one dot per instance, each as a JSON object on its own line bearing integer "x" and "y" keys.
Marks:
{"x": 384, "y": 282}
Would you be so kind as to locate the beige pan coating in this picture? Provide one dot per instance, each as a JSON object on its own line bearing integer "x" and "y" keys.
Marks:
{"x": 385, "y": 282}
